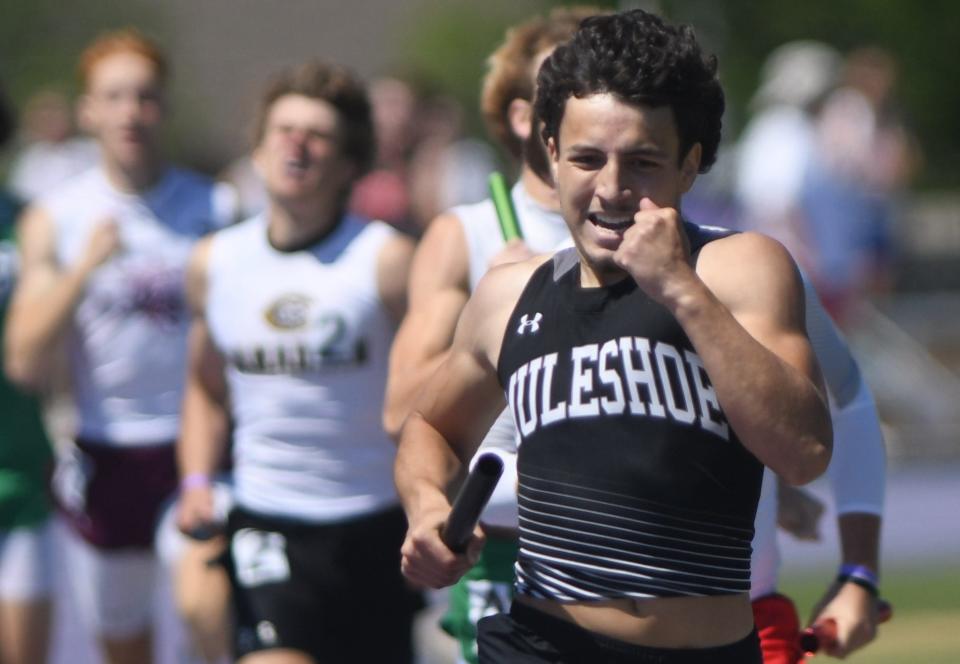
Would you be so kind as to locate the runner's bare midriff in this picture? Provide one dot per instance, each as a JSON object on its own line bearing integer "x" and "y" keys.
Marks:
{"x": 669, "y": 622}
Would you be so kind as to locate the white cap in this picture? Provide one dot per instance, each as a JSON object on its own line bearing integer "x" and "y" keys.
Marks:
{"x": 797, "y": 73}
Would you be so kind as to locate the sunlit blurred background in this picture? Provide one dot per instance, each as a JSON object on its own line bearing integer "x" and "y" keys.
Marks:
{"x": 900, "y": 307}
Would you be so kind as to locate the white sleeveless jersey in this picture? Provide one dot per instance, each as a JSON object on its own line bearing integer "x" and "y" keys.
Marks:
{"x": 543, "y": 231}
{"x": 305, "y": 338}
{"x": 128, "y": 339}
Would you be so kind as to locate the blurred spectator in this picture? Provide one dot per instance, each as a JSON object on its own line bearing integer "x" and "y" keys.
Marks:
{"x": 383, "y": 193}
{"x": 424, "y": 163}
{"x": 777, "y": 145}
{"x": 864, "y": 155}
{"x": 26, "y": 547}
{"x": 712, "y": 199}
{"x": 447, "y": 168}
{"x": 52, "y": 152}
{"x": 821, "y": 161}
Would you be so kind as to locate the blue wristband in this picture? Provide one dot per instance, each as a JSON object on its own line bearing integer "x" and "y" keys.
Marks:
{"x": 860, "y": 575}
{"x": 860, "y": 572}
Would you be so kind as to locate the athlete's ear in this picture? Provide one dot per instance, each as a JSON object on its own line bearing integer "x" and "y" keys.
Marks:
{"x": 690, "y": 167}
{"x": 554, "y": 151}
{"x": 520, "y": 116}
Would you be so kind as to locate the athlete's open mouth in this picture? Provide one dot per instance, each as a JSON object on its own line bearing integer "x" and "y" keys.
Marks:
{"x": 617, "y": 223}
{"x": 296, "y": 167}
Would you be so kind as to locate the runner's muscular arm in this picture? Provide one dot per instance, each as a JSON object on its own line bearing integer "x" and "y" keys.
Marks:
{"x": 393, "y": 271}
{"x": 203, "y": 420}
{"x": 46, "y": 296}
{"x": 456, "y": 408}
{"x": 742, "y": 307}
{"x": 748, "y": 327}
{"x": 438, "y": 289}
{"x": 852, "y": 607}
{"x": 857, "y": 478}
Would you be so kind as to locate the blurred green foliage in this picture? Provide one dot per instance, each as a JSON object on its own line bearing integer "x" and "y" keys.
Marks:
{"x": 450, "y": 43}
{"x": 40, "y": 39}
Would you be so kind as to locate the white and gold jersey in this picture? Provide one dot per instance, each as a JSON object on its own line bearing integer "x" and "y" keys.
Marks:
{"x": 305, "y": 338}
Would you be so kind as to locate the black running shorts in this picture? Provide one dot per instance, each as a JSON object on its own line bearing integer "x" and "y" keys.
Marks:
{"x": 332, "y": 591}
{"x": 528, "y": 636}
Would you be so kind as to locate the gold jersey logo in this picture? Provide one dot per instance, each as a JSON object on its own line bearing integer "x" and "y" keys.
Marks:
{"x": 289, "y": 312}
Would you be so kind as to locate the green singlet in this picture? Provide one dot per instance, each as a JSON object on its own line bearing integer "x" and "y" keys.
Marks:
{"x": 485, "y": 590}
{"x": 25, "y": 451}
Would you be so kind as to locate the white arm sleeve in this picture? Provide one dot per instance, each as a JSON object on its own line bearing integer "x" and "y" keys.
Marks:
{"x": 857, "y": 471}
{"x": 501, "y": 440}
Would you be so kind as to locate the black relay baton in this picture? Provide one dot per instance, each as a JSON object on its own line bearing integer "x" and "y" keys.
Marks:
{"x": 470, "y": 501}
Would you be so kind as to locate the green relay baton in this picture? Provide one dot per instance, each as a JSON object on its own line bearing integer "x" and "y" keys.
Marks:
{"x": 500, "y": 194}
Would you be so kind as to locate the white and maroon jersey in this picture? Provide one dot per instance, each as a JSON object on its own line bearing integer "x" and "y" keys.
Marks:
{"x": 128, "y": 337}
{"x": 305, "y": 338}
{"x": 543, "y": 230}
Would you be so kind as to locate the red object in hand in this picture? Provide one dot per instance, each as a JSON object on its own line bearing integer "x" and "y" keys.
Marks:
{"x": 820, "y": 634}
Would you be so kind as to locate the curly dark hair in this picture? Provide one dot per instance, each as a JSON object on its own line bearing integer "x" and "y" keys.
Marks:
{"x": 640, "y": 59}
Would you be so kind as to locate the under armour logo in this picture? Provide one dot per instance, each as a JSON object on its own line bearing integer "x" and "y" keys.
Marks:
{"x": 534, "y": 324}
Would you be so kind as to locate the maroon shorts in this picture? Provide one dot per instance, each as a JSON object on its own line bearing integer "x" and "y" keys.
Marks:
{"x": 118, "y": 493}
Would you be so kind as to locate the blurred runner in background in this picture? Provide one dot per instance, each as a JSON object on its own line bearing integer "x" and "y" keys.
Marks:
{"x": 52, "y": 151}
{"x": 104, "y": 256}
{"x": 26, "y": 554}
{"x": 458, "y": 248}
{"x": 294, "y": 311}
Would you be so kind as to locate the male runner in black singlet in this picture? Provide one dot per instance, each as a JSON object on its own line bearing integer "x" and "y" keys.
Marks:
{"x": 651, "y": 372}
